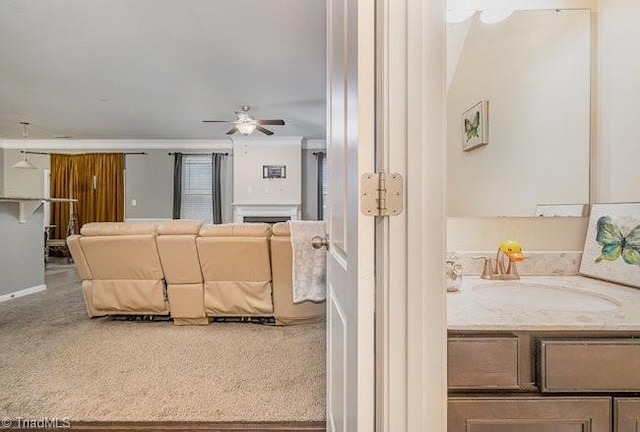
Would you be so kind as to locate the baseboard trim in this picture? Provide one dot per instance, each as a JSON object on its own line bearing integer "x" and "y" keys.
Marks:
{"x": 173, "y": 426}
{"x": 22, "y": 293}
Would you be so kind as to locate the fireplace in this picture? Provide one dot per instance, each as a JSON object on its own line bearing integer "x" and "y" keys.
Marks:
{"x": 267, "y": 219}
{"x": 271, "y": 213}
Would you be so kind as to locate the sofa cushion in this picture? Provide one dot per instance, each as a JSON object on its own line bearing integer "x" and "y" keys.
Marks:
{"x": 179, "y": 258}
{"x": 179, "y": 227}
{"x": 186, "y": 301}
{"x": 123, "y": 257}
{"x": 116, "y": 228}
{"x": 238, "y": 298}
{"x": 129, "y": 296}
{"x": 281, "y": 229}
{"x": 236, "y": 230}
{"x": 234, "y": 259}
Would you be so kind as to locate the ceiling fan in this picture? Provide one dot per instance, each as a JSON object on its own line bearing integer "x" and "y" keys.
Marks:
{"x": 246, "y": 124}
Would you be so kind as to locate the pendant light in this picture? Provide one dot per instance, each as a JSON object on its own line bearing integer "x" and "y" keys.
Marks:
{"x": 24, "y": 163}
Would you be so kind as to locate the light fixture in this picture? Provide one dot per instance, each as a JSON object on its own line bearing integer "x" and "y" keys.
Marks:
{"x": 246, "y": 127}
{"x": 24, "y": 163}
{"x": 457, "y": 16}
{"x": 492, "y": 16}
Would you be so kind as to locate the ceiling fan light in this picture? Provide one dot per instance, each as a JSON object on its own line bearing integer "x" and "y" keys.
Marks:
{"x": 246, "y": 128}
{"x": 24, "y": 164}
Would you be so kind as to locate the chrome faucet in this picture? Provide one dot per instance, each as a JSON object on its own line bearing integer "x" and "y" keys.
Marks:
{"x": 509, "y": 251}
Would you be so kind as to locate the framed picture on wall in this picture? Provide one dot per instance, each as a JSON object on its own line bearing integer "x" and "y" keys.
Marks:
{"x": 274, "y": 171}
{"x": 475, "y": 129}
{"x": 612, "y": 247}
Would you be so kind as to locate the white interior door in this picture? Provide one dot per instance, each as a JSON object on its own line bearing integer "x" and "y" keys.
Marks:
{"x": 350, "y": 150}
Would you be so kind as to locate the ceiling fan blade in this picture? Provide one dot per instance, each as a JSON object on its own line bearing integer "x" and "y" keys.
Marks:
{"x": 232, "y": 131}
{"x": 217, "y": 121}
{"x": 263, "y": 130}
{"x": 271, "y": 122}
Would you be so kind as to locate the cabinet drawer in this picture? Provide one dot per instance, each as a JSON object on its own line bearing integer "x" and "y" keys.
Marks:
{"x": 626, "y": 413}
{"x": 599, "y": 365}
{"x": 483, "y": 363}
{"x": 529, "y": 414}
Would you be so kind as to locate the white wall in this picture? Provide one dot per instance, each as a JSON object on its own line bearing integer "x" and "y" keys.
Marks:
{"x": 617, "y": 154}
{"x": 249, "y": 187}
{"x": 535, "y": 234}
{"x": 534, "y": 68}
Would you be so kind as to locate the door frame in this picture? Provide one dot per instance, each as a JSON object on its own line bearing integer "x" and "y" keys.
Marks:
{"x": 411, "y": 391}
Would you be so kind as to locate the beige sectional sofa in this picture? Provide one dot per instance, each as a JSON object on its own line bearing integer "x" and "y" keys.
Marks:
{"x": 190, "y": 271}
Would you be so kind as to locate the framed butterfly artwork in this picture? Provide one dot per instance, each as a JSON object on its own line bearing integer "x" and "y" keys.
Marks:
{"x": 475, "y": 126}
{"x": 612, "y": 247}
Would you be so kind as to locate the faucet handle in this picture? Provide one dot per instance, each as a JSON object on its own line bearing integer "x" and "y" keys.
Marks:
{"x": 487, "y": 268}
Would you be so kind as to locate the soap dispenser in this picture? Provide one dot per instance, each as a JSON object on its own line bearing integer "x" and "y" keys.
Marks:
{"x": 453, "y": 273}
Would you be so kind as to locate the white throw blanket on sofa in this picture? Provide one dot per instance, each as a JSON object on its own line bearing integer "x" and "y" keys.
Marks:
{"x": 309, "y": 267}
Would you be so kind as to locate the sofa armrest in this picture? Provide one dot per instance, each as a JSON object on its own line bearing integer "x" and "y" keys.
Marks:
{"x": 73, "y": 242}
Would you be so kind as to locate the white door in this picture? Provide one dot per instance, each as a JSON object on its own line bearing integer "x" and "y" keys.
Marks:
{"x": 350, "y": 150}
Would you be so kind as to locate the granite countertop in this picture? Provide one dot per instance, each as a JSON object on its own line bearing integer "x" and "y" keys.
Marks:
{"x": 608, "y": 306}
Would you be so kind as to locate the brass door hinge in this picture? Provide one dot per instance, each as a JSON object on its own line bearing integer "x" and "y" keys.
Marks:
{"x": 381, "y": 194}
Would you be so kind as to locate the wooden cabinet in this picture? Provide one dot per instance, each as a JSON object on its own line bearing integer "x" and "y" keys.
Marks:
{"x": 529, "y": 414}
{"x": 544, "y": 381}
{"x": 626, "y": 412}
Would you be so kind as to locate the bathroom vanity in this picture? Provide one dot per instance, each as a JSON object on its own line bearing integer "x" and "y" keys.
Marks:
{"x": 543, "y": 354}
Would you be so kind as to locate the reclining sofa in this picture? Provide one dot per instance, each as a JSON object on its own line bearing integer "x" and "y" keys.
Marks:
{"x": 189, "y": 270}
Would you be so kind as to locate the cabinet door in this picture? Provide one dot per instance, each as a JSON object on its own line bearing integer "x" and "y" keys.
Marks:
{"x": 626, "y": 414}
{"x": 529, "y": 414}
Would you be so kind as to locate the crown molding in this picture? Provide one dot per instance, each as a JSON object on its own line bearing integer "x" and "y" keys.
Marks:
{"x": 314, "y": 144}
{"x": 215, "y": 144}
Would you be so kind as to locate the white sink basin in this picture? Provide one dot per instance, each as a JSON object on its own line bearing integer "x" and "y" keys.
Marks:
{"x": 528, "y": 295}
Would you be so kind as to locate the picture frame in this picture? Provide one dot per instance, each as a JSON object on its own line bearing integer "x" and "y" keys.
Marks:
{"x": 612, "y": 247}
{"x": 274, "y": 171}
{"x": 475, "y": 126}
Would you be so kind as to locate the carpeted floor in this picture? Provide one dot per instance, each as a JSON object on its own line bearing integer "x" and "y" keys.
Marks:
{"x": 56, "y": 362}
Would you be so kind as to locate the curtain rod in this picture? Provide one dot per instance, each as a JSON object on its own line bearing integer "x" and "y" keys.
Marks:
{"x": 198, "y": 154}
{"x": 50, "y": 153}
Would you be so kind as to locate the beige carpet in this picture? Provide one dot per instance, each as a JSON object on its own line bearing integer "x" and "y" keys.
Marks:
{"x": 55, "y": 362}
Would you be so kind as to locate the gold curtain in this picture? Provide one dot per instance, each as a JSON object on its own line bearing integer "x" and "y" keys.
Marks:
{"x": 96, "y": 180}
{"x": 83, "y": 188}
{"x": 109, "y": 199}
{"x": 60, "y": 187}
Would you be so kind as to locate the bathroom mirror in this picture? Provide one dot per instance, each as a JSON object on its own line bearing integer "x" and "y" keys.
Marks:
{"x": 518, "y": 112}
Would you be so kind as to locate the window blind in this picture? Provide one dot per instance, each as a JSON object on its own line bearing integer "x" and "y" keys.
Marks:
{"x": 196, "y": 188}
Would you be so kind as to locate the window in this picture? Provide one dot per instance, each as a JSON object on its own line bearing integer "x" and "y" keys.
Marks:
{"x": 197, "y": 202}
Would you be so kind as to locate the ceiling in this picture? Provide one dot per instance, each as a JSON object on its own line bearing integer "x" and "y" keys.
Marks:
{"x": 154, "y": 69}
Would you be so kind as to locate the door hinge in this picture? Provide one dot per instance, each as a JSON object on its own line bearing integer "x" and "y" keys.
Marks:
{"x": 381, "y": 194}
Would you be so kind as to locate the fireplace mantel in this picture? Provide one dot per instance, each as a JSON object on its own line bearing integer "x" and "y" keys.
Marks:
{"x": 290, "y": 211}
